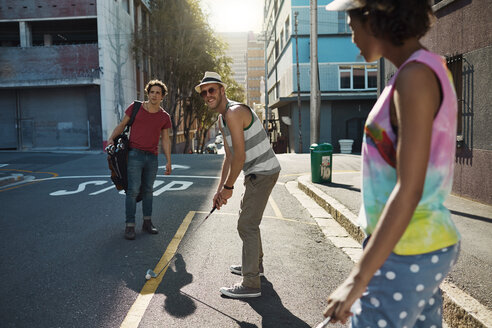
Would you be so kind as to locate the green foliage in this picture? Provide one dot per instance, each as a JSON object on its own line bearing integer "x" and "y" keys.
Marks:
{"x": 182, "y": 46}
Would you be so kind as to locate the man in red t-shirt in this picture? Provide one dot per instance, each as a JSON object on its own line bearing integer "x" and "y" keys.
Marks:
{"x": 151, "y": 122}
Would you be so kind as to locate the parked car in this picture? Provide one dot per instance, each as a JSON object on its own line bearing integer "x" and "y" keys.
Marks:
{"x": 211, "y": 149}
{"x": 219, "y": 139}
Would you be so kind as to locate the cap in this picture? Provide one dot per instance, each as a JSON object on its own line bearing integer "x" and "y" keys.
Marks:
{"x": 344, "y": 5}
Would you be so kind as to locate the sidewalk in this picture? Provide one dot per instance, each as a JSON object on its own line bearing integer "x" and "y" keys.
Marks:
{"x": 467, "y": 291}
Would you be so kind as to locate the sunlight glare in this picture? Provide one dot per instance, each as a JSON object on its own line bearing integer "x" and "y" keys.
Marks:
{"x": 234, "y": 15}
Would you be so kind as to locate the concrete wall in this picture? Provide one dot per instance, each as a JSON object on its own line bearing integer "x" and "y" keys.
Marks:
{"x": 55, "y": 65}
{"x": 118, "y": 86}
{"x": 25, "y": 10}
{"x": 467, "y": 25}
{"x": 349, "y": 117}
{"x": 473, "y": 175}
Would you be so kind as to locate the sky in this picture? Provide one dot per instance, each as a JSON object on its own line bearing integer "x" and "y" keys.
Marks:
{"x": 234, "y": 15}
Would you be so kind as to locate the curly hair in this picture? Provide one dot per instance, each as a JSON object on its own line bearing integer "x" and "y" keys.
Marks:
{"x": 158, "y": 83}
{"x": 396, "y": 20}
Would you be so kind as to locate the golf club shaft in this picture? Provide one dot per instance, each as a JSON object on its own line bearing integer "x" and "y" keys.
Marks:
{"x": 324, "y": 323}
{"x": 177, "y": 249}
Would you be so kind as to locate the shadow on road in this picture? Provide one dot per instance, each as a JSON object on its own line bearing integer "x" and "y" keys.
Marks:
{"x": 274, "y": 314}
{"x": 177, "y": 304}
{"x": 242, "y": 324}
{"x": 340, "y": 185}
{"x": 471, "y": 216}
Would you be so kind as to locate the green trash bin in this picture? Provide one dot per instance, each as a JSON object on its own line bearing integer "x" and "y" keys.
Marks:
{"x": 321, "y": 162}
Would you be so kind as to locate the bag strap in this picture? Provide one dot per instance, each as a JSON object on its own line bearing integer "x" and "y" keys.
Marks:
{"x": 134, "y": 114}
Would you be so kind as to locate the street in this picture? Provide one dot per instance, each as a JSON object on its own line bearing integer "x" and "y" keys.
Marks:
{"x": 65, "y": 262}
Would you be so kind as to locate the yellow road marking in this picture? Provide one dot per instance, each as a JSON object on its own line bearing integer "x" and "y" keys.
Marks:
{"x": 293, "y": 174}
{"x": 306, "y": 173}
{"x": 275, "y": 207}
{"x": 27, "y": 183}
{"x": 137, "y": 311}
{"x": 265, "y": 216}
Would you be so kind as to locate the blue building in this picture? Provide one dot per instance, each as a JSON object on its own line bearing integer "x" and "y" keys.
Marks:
{"x": 348, "y": 84}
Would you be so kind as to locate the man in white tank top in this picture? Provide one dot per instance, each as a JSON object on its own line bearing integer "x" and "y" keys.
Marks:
{"x": 246, "y": 148}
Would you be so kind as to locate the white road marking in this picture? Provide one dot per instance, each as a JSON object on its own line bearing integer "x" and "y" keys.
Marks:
{"x": 170, "y": 186}
{"x": 80, "y": 188}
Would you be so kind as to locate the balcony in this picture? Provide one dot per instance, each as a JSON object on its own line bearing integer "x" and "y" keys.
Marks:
{"x": 49, "y": 66}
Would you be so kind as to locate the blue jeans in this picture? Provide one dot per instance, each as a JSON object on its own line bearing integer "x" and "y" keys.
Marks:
{"x": 142, "y": 170}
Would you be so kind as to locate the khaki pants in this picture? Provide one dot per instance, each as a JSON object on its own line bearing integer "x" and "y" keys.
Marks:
{"x": 253, "y": 203}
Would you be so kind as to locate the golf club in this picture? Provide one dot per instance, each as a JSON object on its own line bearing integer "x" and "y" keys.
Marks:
{"x": 151, "y": 274}
{"x": 324, "y": 323}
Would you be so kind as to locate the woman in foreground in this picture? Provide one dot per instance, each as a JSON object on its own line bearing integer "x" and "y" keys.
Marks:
{"x": 408, "y": 156}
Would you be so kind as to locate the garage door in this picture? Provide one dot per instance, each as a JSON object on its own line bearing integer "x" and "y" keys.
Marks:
{"x": 8, "y": 131}
{"x": 54, "y": 118}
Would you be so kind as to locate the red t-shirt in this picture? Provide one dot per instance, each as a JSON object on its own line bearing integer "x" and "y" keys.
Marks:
{"x": 146, "y": 129}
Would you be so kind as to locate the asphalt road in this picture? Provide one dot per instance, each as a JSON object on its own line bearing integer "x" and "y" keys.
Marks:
{"x": 65, "y": 262}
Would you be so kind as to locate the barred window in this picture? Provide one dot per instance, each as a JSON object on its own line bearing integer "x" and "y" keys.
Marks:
{"x": 455, "y": 66}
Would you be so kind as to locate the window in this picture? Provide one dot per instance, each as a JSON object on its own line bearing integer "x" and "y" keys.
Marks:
{"x": 455, "y": 66}
{"x": 345, "y": 72}
{"x": 287, "y": 29}
{"x": 62, "y": 32}
{"x": 342, "y": 22}
{"x": 372, "y": 76}
{"x": 126, "y": 5}
{"x": 9, "y": 34}
{"x": 282, "y": 39}
{"x": 358, "y": 77}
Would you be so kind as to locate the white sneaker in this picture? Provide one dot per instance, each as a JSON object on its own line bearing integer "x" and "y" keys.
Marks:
{"x": 237, "y": 269}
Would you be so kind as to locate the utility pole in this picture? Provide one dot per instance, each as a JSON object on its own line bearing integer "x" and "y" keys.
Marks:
{"x": 298, "y": 84}
{"x": 315, "y": 94}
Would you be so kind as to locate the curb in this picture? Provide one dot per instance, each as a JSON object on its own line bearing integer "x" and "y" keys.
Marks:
{"x": 459, "y": 308}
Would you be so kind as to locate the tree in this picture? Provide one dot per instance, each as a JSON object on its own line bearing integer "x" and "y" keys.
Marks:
{"x": 182, "y": 47}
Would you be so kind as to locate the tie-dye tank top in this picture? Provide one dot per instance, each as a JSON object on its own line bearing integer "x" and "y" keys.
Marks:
{"x": 431, "y": 227}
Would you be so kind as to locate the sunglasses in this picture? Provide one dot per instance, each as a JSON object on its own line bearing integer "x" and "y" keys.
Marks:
{"x": 210, "y": 91}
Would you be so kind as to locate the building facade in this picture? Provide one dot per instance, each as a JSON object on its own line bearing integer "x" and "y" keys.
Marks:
{"x": 348, "y": 85}
{"x": 236, "y": 48}
{"x": 67, "y": 71}
{"x": 468, "y": 49}
{"x": 255, "y": 65}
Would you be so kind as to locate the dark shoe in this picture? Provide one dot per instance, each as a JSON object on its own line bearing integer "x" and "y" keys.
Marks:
{"x": 149, "y": 227}
{"x": 237, "y": 269}
{"x": 240, "y": 291}
{"x": 130, "y": 233}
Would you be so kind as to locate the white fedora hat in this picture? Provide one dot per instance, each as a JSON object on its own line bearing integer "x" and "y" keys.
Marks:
{"x": 343, "y": 5}
{"x": 210, "y": 77}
